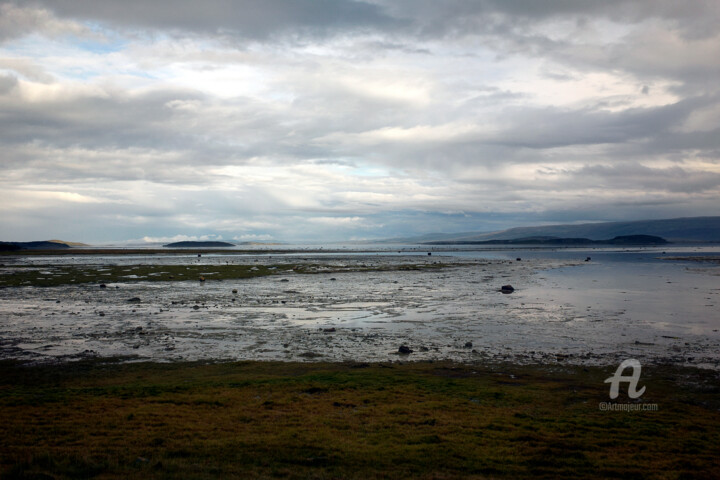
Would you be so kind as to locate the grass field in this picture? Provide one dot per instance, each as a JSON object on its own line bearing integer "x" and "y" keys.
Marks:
{"x": 99, "y": 419}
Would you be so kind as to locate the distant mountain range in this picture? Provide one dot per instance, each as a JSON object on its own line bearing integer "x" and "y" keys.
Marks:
{"x": 621, "y": 240}
{"x": 689, "y": 230}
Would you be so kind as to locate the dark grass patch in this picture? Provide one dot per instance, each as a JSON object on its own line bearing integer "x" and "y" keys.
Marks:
{"x": 56, "y": 275}
{"x": 94, "y": 419}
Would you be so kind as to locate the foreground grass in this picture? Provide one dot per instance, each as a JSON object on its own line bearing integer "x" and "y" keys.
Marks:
{"x": 294, "y": 420}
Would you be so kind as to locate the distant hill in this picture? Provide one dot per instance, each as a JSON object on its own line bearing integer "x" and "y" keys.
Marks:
{"x": 199, "y": 245}
{"x": 691, "y": 229}
{"x": 38, "y": 245}
{"x": 621, "y": 240}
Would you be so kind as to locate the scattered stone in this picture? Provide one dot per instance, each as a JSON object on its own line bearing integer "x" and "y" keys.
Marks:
{"x": 333, "y": 279}
{"x": 196, "y": 307}
{"x": 429, "y": 253}
{"x": 134, "y": 300}
{"x": 468, "y": 345}
{"x": 424, "y": 349}
{"x": 284, "y": 280}
{"x": 199, "y": 255}
{"x": 102, "y": 285}
{"x": 329, "y": 330}
{"x": 234, "y": 290}
{"x": 587, "y": 259}
{"x": 507, "y": 289}
{"x": 405, "y": 350}
{"x": 518, "y": 259}
{"x": 102, "y": 314}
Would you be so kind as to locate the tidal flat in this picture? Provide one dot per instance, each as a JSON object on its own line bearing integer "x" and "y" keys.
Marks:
{"x": 362, "y": 306}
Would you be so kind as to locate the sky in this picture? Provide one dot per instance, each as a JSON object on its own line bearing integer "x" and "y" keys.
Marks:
{"x": 330, "y": 120}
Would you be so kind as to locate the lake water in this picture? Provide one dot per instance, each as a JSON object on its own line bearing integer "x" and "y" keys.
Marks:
{"x": 625, "y": 302}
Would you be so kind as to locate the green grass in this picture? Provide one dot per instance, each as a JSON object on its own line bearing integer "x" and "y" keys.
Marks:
{"x": 55, "y": 275}
{"x": 296, "y": 420}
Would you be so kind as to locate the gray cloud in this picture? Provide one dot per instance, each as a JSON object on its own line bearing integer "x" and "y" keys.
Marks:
{"x": 255, "y": 19}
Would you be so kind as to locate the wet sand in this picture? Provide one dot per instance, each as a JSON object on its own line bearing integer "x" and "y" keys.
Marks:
{"x": 356, "y": 308}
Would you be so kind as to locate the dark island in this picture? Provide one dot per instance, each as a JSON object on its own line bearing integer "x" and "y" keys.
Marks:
{"x": 199, "y": 244}
{"x": 620, "y": 240}
{"x": 37, "y": 245}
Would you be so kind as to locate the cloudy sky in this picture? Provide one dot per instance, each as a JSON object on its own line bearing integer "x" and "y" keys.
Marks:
{"x": 347, "y": 119}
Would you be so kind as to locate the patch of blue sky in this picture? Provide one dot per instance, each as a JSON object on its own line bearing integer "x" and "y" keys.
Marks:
{"x": 368, "y": 171}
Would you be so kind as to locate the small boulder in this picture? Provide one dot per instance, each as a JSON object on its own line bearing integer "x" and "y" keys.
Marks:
{"x": 507, "y": 289}
{"x": 134, "y": 300}
{"x": 102, "y": 285}
{"x": 234, "y": 290}
{"x": 404, "y": 350}
{"x": 468, "y": 345}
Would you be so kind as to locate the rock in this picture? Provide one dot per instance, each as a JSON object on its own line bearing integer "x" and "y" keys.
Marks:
{"x": 102, "y": 285}
{"x": 102, "y": 314}
{"x": 404, "y": 350}
{"x": 587, "y": 259}
{"x": 134, "y": 300}
{"x": 424, "y": 349}
{"x": 199, "y": 255}
{"x": 518, "y": 259}
{"x": 234, "y": 290}
{"x": 284, "y": 280}
{"x": 329, "y": 330}
{"x": 507, "y": 289}
{"x": 429, "y": 253}
{"x": 333, "y": 279}
{"x": 468, "y": 345}
{"x": 196, "y": 307}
